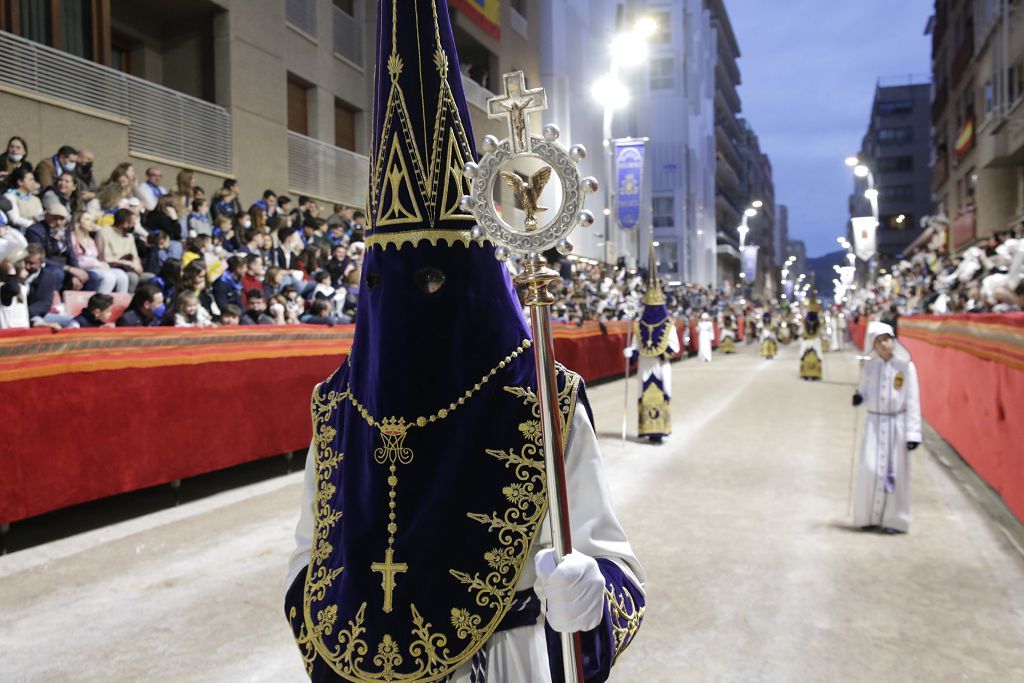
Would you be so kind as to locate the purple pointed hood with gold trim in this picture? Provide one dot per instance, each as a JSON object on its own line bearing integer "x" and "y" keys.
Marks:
{"x": 426, "y": 444}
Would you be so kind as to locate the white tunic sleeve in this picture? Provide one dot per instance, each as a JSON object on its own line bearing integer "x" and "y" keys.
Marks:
{"x": 913, "y": 406}
{"x": 673, "y": 339}
{"x": 304, "y": 528}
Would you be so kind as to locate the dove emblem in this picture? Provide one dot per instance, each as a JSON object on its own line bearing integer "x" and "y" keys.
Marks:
{"x": 528, "y": 191}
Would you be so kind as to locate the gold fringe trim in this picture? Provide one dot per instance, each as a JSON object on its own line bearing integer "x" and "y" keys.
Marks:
{"x": 414, "y": 237}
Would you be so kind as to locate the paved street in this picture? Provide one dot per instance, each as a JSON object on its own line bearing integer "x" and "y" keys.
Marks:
{"x": 739, "y": 520}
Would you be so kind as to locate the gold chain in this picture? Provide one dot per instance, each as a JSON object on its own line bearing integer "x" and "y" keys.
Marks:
{"x": 443, "y": 412}
{"x": 393, "y": 451}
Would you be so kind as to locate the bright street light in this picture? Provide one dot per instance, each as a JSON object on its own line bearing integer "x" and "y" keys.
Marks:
{"x": 630, "y": 48}
{"x": 611, "y": 92}
{"x": 861, "y": 171}
{"x": 852, "y": 161}
{"x": 750, "y": 213}
{"x": 646, "y": 27}
{"x": 871, "y": 193}
{"x": 757, "y": 204}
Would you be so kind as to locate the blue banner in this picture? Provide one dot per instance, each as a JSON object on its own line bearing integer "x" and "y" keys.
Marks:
{"x": 750, "y": 263}
{"x": 629, "y": 170}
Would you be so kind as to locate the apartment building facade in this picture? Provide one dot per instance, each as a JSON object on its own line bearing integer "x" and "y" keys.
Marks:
{"x": 275, "y": 93}
{"x": 977, "y": 115}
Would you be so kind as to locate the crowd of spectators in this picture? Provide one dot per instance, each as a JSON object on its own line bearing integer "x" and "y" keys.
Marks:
{"x": 186, "y": 256}
{"x": 984, "y": 278}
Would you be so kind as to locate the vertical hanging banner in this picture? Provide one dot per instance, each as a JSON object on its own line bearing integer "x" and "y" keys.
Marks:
{"x": 864, "y": 236}
{"x": 750, "y": 262}
{"x": 629, "y": 171}
{"x": 485, "y": 13}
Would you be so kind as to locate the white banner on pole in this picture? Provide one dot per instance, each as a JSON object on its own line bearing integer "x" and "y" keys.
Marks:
{"x": 865, "y": 243}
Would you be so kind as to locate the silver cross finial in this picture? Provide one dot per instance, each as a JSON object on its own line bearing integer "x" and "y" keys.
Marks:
{"x": 515, "y": 106}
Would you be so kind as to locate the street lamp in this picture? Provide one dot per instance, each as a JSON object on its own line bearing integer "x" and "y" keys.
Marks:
{"x": 628, "y": 48}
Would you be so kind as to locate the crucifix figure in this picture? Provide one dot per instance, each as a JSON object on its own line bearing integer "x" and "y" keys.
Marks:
{"x": 515, "y": 106}
{"x": 388, "y": 569}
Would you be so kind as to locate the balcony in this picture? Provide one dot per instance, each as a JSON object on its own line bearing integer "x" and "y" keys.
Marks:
{"x": 964, "y": 57}
{"x": 940, "y": 100}
{"x": 476, "y": 94}
{"x": 326, "y": 172}
{"x": 162, "y": 123}
{"x": 726, "y": 149}
{"x": 940, "y": 172}
{"x": 348, "y": 37}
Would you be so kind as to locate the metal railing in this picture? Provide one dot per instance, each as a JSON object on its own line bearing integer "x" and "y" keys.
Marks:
{"x": 302, "y": 15}
{"x": 325, "y": 171}
{"x": 348, "y": 36}
{"x": 476, "y": 94}
{"x": 161, "y": 121}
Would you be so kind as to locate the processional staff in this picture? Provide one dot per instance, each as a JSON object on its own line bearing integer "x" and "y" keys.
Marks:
{"x": 507, "y": 185}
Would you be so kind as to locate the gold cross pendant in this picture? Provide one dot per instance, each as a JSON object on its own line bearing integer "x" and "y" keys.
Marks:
{"x": 388, "y": 569}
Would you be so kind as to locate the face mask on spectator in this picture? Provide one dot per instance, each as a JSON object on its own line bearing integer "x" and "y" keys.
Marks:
{"x": 247, "y": 224}
{"x": 87, "y": 167}
{"x": 15, "y": 157}
{"x": 160, "y": 310}
{"x": 70, "y": 166}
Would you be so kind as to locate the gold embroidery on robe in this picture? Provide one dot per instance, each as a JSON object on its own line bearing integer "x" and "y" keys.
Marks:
{"x": 655, "y": 414}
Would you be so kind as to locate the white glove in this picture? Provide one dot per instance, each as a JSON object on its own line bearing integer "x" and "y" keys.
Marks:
{"x": 573, "y": 589}
{"x": 627, "y": 353}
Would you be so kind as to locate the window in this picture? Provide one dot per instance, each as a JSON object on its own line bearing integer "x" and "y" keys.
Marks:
{"x": 298, "y": 106}
{"x": 1015, "y": 83}
{"x": 663, "y": 213}
{"x": 989, "y": 99}
{"x": 897, "y": 193}
{"x": 344, "y": 125}
{"x": 663, "y": 34}
{"x": 895, "y": 107}
{"x": 667, "y": 254}
{"x": 64, "y": 24}
{"x": 895, "y": 164}
{"x": 302, "y": 15}
{"x": 662, "y": 73}
{"x": 901, "y": 135}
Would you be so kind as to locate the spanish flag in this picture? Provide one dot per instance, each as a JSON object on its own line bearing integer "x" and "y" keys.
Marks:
{"x": 965, "y": 138}
{"x": 485, "y": 13}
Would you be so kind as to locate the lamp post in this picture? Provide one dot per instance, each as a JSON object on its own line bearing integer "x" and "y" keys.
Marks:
{"x": 863, "y": 171}
{"x": 628, "y": 49}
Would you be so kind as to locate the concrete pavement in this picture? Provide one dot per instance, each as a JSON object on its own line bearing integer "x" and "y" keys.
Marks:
{"x": 739, "y": 519}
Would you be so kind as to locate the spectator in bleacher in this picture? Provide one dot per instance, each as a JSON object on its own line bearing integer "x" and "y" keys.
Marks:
{"x": 97, "y": 312}
{"x": 164, "y": 218}
{"x": 256, "y": 309}
{"x": 168, "y": 279}
{"x": 359, "y": 229}
{"x": 284, "y": 206}
{"x": 54, "y": 234}
{"x": 146, "y": 309}
{"x": 14, "y": 157}
{"x": 117, "y": 246}
{"x": 64, "y": 161}
{"x": 337, "y": 264}
{"x": 26, "y": 208}
{"x": 286, "y": 256}
{"x": 293, "y": 304}
{"x": 63, "y": 191}
{"x": 117, "y": 188}
{"x": 319, "y": 314}
{"x": 199, "y": 222}
{"x": 194, "y": 278}
{"x": 87, "y": 184}
{"x": 88, "y": 254}
{"x": 43, "y": 283}
{"x": 13, "y": 290}
{"x": 158, "y": 250}
{"x": 188, "y": 312}
{"x": 274, "y": 282}
{"x": 255, "y": 271}
{"x": 184, "y": 185}
{"x": 226, "y": 201}
{"x": 252, "y": 243}
{"x": 150, "y": 190}
{"x": 228, "y": 287}
{"x": 268, "y": 204}
{"x": 231, "y": 316}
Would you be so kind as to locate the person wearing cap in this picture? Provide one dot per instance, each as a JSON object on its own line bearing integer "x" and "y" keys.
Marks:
{"x": 64, "y": 161}
{"x": 889, "y": 390}
{"x": 705, "y": 336}
{"x": 54, "y": 234}
{"x": 422, "y": 551}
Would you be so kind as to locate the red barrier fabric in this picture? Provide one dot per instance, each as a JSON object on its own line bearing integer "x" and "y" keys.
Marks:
{"x": 971, "y": 370}
{"x": 102, "y": 412}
